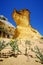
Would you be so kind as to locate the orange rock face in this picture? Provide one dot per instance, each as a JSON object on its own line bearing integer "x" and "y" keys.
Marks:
{"x": 24, "y": 29}
{"x": 21, "y": 17}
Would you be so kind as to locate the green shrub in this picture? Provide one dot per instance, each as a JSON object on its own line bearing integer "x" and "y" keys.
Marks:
{"x": 2, "y": 45}
{"x": 27, "y": 44}
{"x": 14, "y": 45}
{"x": 39, "y": 55}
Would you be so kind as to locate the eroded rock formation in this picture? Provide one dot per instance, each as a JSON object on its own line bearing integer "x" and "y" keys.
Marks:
{"x": 6, "y": 28}
{"x": 24, "y": 29}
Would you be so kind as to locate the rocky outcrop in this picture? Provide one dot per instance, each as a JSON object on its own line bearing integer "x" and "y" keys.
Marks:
{"x": 6, "y": 28}
{"x": 24, "y": 29}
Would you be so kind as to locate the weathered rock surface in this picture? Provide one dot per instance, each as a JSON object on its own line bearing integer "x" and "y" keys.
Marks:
{"x": 24, "y": 29}
{"x": 6, "y": 28}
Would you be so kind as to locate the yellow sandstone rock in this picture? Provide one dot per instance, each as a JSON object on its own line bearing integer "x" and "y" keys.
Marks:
{"x": 24, "y": 29}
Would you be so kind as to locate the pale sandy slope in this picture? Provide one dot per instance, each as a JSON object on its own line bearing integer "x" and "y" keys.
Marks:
{"x": 20, "y": 60}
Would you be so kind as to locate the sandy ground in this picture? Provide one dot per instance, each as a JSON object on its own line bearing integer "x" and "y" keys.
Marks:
{"x": 20, "y": 60}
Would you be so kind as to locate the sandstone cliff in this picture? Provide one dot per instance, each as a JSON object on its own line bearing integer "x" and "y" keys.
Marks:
{"x": 6, "y": 28}
{"x": 24, "y": 29}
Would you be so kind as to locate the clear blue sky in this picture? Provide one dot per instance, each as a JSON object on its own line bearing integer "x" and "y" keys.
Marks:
{"x": 35, "y": 6}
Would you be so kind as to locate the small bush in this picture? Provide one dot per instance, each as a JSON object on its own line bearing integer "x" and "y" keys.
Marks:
{"x": 27, "y": 44}
{"x": 14, "y": 45}
{"x": 2, "y": 45}
{"x": 39, "y": 55}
